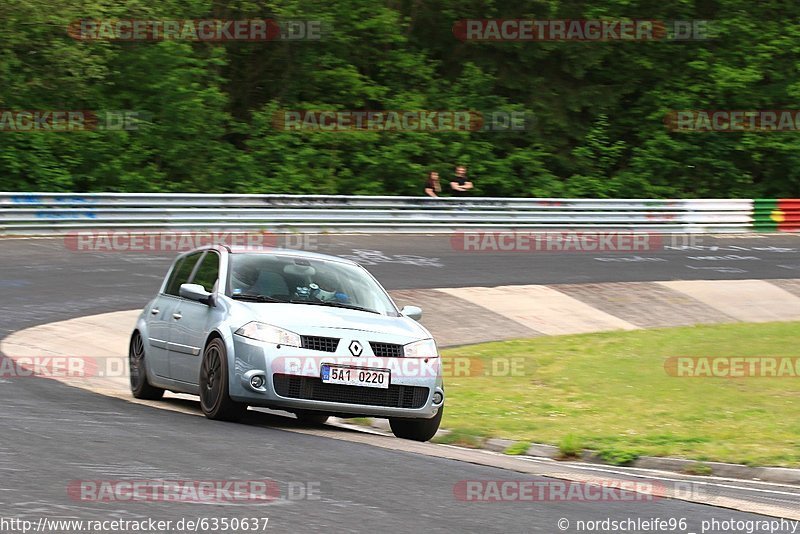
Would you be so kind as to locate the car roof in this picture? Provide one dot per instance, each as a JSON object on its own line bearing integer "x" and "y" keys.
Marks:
{"x": 285, "y": 252}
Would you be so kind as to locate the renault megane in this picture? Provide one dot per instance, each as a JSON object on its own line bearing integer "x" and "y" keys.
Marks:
{"x": 312, "y": 334}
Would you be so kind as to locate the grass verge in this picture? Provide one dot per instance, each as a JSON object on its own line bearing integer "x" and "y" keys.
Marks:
{"x": 612, "y": 393}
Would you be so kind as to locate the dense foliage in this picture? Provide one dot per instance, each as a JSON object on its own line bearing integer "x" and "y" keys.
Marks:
{"x": 599, "y": 107}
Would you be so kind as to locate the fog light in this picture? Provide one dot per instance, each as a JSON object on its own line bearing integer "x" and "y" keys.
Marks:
{"x": 257, "y": 381}
{"x": 438, "y": 398}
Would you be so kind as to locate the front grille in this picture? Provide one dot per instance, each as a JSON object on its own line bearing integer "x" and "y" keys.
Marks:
{"x": 386, "y": 350}
{"x": 323, "y": 344}
{"x": 312, "y": 388}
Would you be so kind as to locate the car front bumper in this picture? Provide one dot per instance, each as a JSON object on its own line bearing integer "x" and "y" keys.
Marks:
{"x": 291, "y": 381}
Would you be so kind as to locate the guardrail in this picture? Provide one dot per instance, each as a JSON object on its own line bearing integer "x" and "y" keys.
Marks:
{"x": 46, "y": 213}
{"x": 776, "y": 215}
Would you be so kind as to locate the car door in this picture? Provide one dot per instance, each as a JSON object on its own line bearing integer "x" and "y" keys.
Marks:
{"x": 159, "y": 315}
{"x": 192, "y": 322}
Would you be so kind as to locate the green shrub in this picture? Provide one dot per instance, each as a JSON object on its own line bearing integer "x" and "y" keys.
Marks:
{"x": 518, "y": 448}
{"x": 570, "y": 446}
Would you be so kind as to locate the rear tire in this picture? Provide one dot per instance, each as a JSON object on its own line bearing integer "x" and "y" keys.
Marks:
{"x": 416, "y": 429}
{"x": 137, "y": 364}
{"x": 215, "y": 400}
{"x": 311, "y": 418}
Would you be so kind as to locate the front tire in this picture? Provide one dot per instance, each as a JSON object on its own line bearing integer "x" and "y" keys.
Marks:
{"x": 140, "y": 387}
{"x": 416, "y": 429}
{"x": 215, "y": 400}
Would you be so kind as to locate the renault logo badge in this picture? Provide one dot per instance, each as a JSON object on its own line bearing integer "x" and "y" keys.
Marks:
{"x": 355, "y": 348}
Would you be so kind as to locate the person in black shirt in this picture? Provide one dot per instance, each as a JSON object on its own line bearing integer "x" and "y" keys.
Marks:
{"x": 460, "y": 184}
{"x": 432, "y": 185}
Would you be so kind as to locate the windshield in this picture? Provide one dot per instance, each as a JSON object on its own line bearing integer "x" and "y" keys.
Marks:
{"x": 296, "y": 280}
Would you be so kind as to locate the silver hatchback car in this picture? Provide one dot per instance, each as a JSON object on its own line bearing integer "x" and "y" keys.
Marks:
{"x": 311, "y": 334}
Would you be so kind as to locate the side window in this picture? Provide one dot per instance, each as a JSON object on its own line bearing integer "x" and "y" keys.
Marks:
{"x": 181, "y": 272}
{"x": 208, "y": 271}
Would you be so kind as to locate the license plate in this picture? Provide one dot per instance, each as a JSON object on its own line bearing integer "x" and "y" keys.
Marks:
{"x": 355, "y": 376}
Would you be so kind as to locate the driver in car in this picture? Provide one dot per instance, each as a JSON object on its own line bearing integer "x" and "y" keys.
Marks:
{"x": 244, "y": 279}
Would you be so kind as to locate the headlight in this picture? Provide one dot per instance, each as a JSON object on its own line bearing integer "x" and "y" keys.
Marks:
{"x": 421, "y": 349}
{"x": 269, "y": 334}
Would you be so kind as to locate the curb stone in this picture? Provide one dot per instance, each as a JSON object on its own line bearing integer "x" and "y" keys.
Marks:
{"x": 381, "y": 424}
{"x": 543, "y": 451}
{"x": 778, "y": 475}
{"x": 497, "y": 445}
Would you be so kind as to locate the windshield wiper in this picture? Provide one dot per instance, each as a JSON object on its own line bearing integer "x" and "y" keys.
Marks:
{"x": 255, "y": 298}
{"x": 334, "y": 305}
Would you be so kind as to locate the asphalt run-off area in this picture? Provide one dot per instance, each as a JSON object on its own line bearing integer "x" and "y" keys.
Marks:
{"x": 340, "y": 479}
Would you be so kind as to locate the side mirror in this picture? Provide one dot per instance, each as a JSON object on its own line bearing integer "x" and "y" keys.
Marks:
{"x": 412, "y": 311}
{"x": 197, "y": 293}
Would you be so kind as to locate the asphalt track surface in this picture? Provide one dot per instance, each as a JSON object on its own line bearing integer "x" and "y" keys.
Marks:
{"x": 51, "y": 434}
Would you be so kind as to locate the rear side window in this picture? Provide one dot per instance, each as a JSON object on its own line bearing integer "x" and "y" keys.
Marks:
{"x": 208, "y": 271}
{"x": 180, "y": 273}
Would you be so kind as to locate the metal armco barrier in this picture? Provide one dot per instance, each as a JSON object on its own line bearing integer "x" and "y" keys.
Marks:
{"x": 48, "y": 213}
{"x": 776, "y": 215}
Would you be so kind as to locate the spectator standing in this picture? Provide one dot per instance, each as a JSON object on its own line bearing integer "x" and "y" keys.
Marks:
{"x": 432, "y": 185}
{"x": 460, "y": 184}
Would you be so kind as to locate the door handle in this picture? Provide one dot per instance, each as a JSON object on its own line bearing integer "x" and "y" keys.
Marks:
{"x": 154, "y": 311}
{"x": 177, "y": 316}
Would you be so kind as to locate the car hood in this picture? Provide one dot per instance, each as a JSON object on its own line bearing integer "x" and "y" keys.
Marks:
{"x": 301, "y": 318}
